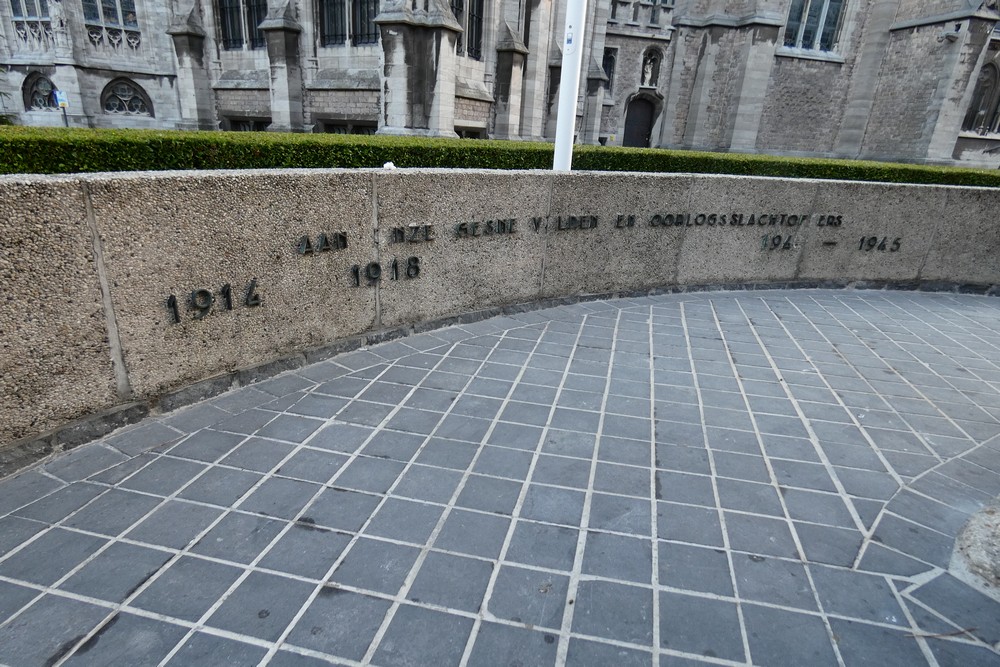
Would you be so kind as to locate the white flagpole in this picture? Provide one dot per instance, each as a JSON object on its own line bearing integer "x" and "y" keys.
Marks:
{"x": 569, "y": 84}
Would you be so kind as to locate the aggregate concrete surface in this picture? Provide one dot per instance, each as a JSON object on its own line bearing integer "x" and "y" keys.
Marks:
{"x": 770, "y": 478}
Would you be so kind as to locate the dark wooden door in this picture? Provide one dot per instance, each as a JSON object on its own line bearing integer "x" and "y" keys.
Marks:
{"x": 638, "y": 123}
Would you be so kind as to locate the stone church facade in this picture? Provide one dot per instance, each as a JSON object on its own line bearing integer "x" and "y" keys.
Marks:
{"x": 912, "y": 80}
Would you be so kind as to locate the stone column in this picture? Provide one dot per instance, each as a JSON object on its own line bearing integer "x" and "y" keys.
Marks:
{"x": 418, "y": 68}
{"x": 510, "y": 65}
{"x": 537, "y": 38}
{"x": 194, "y": 87}
{"x": 282, "y": 31}
{"x": 865, "y": 77}
{"x": 758, "y": 61}
{"x": 593, "y": 103}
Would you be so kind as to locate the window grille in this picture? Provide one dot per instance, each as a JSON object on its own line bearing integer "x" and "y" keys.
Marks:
{"x": 245, "y": 125}
{"x": 458, "y": 9}
{"x": 363, "y": 28}
{"x": 231, "y": 24}
{"x": 333, "y": 22}
{"x": 475, "y": 29}
{"x": 239, "y": 21}
{"x": 256, "y": 13}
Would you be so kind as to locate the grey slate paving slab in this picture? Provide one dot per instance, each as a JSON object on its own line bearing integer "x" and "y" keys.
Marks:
{"x": 187, "y": 589}
{"x": 529, "y": 597}
{"x": 261, "y": 606}
{"x": 700, "y": 626}
{"x": 507, "y": 645}
{"x": 487, "y": 491}
{"x": 128, "y": 639}
{"x": 376, "y": 566}
{"x": 423, "y": 637}
{"x": 339, "y": 623}
{"x": 116, "y": 572}
{"x": 13, "y": 598}
{"x": 50, "y": 557}
{"x": 614, "y": 611}
{"x": 205, "y": 650}
{"x": 47, "y": 630}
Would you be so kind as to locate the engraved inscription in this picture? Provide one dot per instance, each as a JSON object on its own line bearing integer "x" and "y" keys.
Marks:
{"x": 870, "y": 243}
{"x": 372, "y": 273}
{"x": 571, "y": 222}
{"x": 728, "y": 220}
{"x": 413, "y": 234}
{"x": 777, "y": 242}
{"x": 201, "y": 301}
{"x": 486, "y": 228}
{"x": 324, "y": 243}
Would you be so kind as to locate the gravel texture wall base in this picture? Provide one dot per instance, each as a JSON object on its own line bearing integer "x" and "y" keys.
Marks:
{"x": 126, "y": 294}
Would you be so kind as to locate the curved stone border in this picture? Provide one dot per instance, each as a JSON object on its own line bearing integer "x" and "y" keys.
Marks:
{"x": 139, "y": 292}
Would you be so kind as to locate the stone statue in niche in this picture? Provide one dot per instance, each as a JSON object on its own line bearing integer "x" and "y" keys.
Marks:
{"x": 650, "y": 69}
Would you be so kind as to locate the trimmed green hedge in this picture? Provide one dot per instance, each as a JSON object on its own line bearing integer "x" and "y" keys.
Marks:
{"x": 57, "y": 150}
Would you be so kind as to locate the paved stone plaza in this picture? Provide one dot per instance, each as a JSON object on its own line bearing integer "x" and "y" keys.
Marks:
{"x": 774, "y": 478}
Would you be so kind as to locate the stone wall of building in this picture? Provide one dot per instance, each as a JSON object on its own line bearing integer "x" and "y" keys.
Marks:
{"x": 131, "y": 292}
{"x": 727, "y": 80}
{"x": 341, "y": 106}
{"x": 472, "y": 113}
{"x": 920, "y": 85}
{"x": 909, "y": 11}
{"x": 804, "y": 106}
{"x": 243, "y": 103}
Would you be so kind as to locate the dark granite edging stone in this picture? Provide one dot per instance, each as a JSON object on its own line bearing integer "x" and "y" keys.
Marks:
{"x": 28, "y": 451}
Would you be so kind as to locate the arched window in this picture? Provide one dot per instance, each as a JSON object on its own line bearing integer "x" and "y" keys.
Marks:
{"x": 650, "y": 68}
{"x": 39, "y": 93}
{"x": 610, "y": 58}
{"x": 122, "y": 96}
{"x": 982, "y": 114}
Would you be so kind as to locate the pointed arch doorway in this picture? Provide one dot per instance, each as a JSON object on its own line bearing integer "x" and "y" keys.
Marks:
{"x": 639, "y": 117}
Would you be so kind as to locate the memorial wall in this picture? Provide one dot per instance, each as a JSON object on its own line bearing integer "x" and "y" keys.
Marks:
{"x": 129, "y": 293}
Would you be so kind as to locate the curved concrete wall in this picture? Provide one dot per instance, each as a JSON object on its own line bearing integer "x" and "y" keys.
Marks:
{"x": 89, "y": 265}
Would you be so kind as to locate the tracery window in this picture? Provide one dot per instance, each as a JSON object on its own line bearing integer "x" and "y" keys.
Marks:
{"x": 983, "y": 115}
{"x": 125, "y": 97}
{"x": 32, "y": 27}
{"x": 39, "y": 93}
{"x": 113, "y": 23}
{"x": 239, "y": 22}
{"x": 814, "y": 24}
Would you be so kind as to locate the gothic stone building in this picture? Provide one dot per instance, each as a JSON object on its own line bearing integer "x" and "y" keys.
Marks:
{"x": 913, "y": 80}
